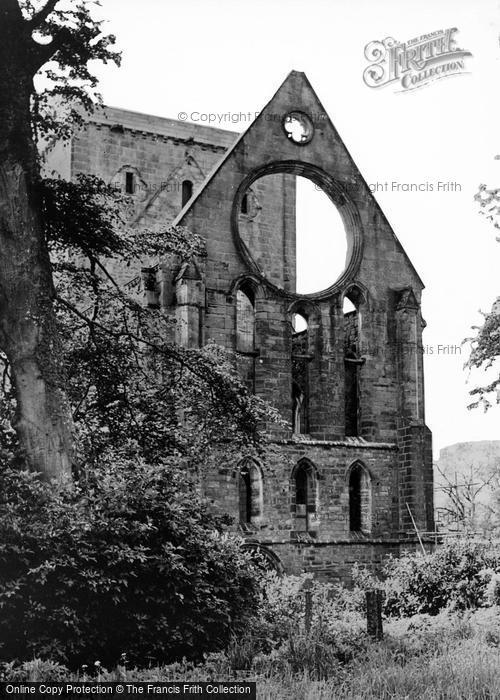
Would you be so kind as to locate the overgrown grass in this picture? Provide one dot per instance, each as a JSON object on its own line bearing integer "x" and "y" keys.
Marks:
{"x": 468, "y": 669}
{"x": 442, "y": 638}
{"x": 451, "y": 655}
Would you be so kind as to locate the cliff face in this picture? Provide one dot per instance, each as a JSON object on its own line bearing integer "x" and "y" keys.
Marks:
{"x": 467, "y": 486}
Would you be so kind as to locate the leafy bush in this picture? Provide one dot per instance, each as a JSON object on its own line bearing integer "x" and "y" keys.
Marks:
{"x": 492, "y": 593}
{"x": 126, "y": 560}
{"x": 34, "y": 671}
{"x": 451, "y": 576}
{"x": 276, "y": 640}
{"x": 282, "y": 605}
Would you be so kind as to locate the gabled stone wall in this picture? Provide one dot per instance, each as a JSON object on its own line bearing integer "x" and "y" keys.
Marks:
{"x": 296, "y": 503}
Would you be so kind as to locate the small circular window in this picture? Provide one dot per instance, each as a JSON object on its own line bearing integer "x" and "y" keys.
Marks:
{"x": 298, "y": 127}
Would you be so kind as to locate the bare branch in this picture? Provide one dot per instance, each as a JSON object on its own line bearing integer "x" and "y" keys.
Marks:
{"x": 99, "y": 264}
{"x": 441, "y": 472}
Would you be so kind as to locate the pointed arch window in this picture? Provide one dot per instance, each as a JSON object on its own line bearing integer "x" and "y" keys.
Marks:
{"x": 250, "y": 493}
{"x": 300, "y": 374}
{"x": 187, "y": 191}
{"x": 304, "y": 495}
{"x": 352, "y": 361}
{"x": 360, "y": 499}
{"x": 245, "y": 319}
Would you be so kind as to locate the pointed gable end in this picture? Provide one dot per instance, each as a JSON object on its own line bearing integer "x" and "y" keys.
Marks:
{"x": 293, "y": 135}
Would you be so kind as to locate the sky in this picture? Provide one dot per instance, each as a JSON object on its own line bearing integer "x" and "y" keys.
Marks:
{"x": 229, "y": 56}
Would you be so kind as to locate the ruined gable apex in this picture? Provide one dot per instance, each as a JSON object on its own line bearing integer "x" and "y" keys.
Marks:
{"x": 270, "y": 145}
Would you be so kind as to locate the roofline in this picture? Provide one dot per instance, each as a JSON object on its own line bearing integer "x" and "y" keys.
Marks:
{"x": 226, "y": 156}
{"x": 228, "y": 153}
{"x": 100, "y": 116}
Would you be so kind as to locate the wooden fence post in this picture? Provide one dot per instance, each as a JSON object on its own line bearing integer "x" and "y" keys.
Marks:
{"x": 307, "y": 589}
{"x": 374, "y": 601}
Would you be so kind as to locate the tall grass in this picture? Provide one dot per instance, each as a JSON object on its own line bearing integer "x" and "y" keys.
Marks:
{"x": 467, "y": 670}
{"x": 448, "y": 656}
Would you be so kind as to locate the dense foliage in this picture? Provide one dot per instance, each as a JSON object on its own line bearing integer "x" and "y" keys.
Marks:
{"x": 429, "y": 602}
{"x": 128, "y": 561}
{"x": 127, "y": 381}
{"x": 456, "y": 575}
{"x": 279, "y": 637}
{"x": 48, "y": 52}
{"x": 442, "y": 657}
{"x": 485, "y": 345}
{"x": 333, "y": 655}
{"x": 68, "y": 41}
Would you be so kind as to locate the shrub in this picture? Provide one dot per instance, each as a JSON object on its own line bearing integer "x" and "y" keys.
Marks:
{"x": 282, "y": 604}
{"x": 34, "y": 671}
{"x": 451, "y": 576}
{"x": 492, "y": 592}
{"x": 276, "y": 641}
{"x": 126, "y": 560}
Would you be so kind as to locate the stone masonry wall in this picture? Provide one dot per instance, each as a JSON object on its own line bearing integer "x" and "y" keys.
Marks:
{"x": 329, "y": 519}
{"x": 393, "y": 443}
{"x": 249, "y": 229}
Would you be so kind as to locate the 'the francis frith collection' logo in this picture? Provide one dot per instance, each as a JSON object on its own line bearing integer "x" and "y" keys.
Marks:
{"x": 416, "y": 62}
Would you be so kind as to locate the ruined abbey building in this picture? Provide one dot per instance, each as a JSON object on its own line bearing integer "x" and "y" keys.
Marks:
{"x": 352, "y": 480}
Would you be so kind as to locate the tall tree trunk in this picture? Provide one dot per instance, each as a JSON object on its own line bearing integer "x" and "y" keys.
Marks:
{"x": 28, "y": 326}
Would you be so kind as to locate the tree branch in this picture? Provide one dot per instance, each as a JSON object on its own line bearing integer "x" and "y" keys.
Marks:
{"x": 42, "y": 14}
{"x": 42, "y": 53}
{"x": 168, "y": 351}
